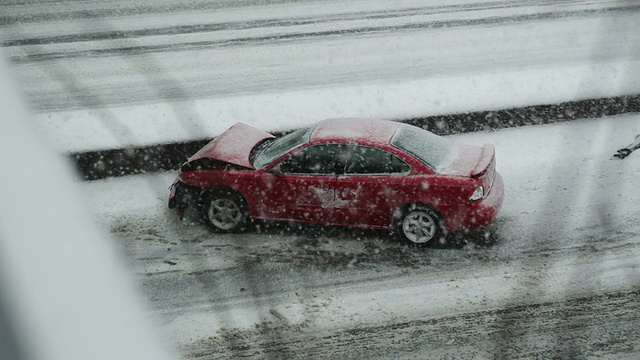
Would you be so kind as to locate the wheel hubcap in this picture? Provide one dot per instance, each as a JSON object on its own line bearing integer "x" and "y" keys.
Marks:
{"x": 419, "y": 227}
{"x": 224, "y": 214}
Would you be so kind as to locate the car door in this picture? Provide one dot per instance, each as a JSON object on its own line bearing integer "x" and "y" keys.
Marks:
{"x": 302, "y": 186}
{"x": 375, "y": 182}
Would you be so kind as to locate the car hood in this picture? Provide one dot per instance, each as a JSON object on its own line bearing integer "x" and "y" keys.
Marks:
{"x": 233, "y": 146}
{"x": 471, "y": 160}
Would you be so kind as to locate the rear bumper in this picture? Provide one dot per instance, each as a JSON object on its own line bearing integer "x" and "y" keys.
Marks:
{"x": 482, "y": 212}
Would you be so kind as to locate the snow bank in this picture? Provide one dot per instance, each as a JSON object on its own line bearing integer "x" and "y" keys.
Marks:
{"x": 82, "y": 130}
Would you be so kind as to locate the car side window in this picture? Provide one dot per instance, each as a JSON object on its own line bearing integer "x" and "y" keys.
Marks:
{"x": 368, "y": 160}
{"x": 316, "y": 159}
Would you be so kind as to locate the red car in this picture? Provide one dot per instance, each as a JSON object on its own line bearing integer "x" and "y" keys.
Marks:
{"x": 346, "y": 172}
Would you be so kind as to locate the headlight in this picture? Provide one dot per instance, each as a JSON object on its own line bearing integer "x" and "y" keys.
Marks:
{"x": 478, "y": 194}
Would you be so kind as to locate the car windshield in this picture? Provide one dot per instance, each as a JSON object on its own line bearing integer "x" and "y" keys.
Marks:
{"x": 282, "y": 146}
{"x": 435, "y": 151}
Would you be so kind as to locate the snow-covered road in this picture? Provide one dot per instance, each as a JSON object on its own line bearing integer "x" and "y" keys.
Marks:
{"x": 564, "y": 254}
{"x": 117, "y": 74}
{"x": 221, "y": 52}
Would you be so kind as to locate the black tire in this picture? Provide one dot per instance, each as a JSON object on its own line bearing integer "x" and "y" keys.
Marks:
{"x": 224, "y": 210}
{"x": 420, "y": 225}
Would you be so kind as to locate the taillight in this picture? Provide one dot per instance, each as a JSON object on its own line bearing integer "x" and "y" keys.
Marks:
{"x": 477, "y": 194}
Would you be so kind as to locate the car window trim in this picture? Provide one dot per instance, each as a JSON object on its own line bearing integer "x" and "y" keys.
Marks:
{"x": 306, "y": 136}
{"x": 303, "y": 148}
{"x": 309, "y": 174}
{"x": 416, "y": 157}
{"x": 411, "y": 153}
{"x": 394, "y": 174}
{"x": 380, "y": 174}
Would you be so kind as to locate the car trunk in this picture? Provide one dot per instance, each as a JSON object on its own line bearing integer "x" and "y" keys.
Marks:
{"x": 475, "y": 162}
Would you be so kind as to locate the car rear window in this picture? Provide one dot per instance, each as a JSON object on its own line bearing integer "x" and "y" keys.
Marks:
{"x": 435, "y": 151}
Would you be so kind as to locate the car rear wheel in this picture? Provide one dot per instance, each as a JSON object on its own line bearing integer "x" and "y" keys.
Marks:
{"x": 420, "y": 225}
{"x": 225, "y": 211}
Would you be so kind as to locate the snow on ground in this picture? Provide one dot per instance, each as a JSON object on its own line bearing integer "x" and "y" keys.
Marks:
{"x": 568, "y": 230}
{"x": 139, "y": 125}
{"x": 176, "y": 71}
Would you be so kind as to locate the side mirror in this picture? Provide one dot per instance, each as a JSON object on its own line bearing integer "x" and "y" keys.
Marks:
{"x": 276, "y": 171}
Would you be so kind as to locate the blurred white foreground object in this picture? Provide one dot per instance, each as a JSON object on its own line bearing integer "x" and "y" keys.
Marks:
{"x": 64, "y": 294}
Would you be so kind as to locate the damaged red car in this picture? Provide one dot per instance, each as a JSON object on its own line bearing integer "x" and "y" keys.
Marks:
{"x": 345, "y": 172}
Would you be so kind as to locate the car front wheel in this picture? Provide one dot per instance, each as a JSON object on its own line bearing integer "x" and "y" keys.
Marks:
{"x": 225, "y": 211}
{"x": 419, "y": 225}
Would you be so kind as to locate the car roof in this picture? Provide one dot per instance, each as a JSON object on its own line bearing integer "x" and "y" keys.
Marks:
{"x": 355, "y": 130}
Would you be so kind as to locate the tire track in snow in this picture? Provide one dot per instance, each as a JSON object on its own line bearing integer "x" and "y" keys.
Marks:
{"x": 603, "y": 325}
{"x": 18, "y": 12}
{"x": 275, "y": 38}
{"x": 263, "y": 23}
{"x": 29, "y": 11}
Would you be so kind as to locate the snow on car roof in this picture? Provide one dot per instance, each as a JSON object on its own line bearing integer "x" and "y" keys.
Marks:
{"x": 345, "y": 129}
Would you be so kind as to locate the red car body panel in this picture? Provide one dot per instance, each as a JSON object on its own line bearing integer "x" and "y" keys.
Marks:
{"x": 368, "y": 201}
{"x": 233, "y": 146}
{"x": 471, "y": 160}
{"x": 307, "y": 199}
